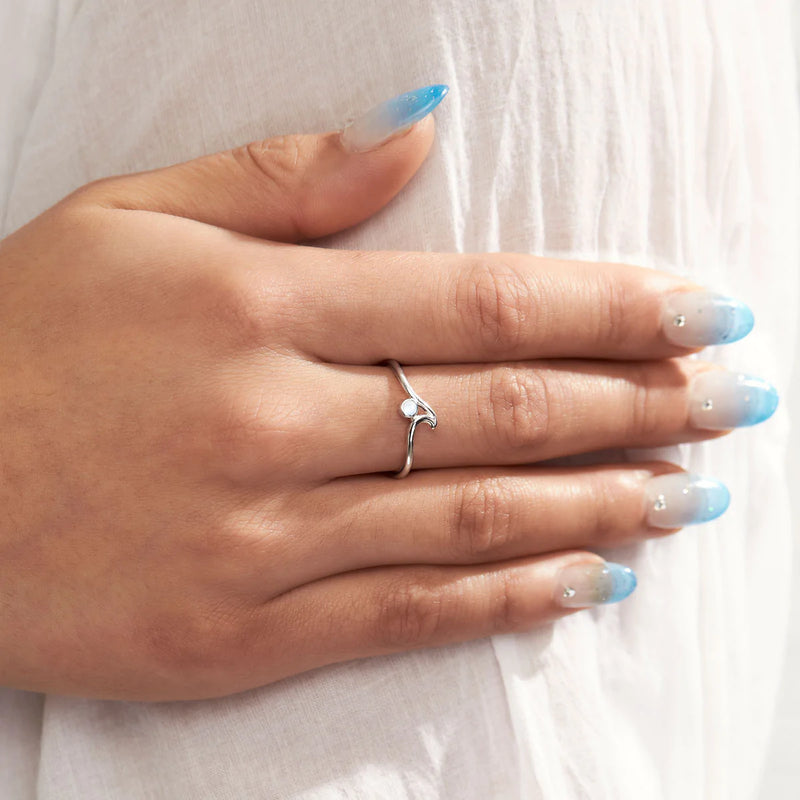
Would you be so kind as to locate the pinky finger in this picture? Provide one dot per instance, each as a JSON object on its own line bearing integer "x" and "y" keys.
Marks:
{"x": 384, "y": 610}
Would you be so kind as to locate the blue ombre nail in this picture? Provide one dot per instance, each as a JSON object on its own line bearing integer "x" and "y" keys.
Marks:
{"x": 719, "y": 400}
{"x": 740, "y": 322}
{"x": 391, "y": 118}
{"x": 681, "y": 498}
{"x": 696, "y": 319}
{"x": 623, "y": 581}
{"x": 593, "y": 583}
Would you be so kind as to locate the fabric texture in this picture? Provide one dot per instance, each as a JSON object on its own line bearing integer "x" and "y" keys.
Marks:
{"x": 658, "y": 133}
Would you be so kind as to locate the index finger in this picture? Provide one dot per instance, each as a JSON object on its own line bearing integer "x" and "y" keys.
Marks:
{"x": 428, "y": 308}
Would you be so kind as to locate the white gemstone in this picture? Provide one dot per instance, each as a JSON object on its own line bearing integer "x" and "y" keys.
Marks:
{"x": 708, "y": 404}
{"x": 679, "y": 321}
{"x": 408, "y": 408}
{"x": 569, "y": 591}
{"x": 661, "y": 503}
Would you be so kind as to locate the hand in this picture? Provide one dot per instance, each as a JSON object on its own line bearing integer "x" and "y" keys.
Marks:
{"x": 197, "y": 426}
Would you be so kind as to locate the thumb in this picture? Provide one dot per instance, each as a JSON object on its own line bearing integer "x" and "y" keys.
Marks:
{"x": 295, "y": 187}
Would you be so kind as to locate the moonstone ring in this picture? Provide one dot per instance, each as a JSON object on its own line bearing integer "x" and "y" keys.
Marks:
{"x": 415, "y": 409}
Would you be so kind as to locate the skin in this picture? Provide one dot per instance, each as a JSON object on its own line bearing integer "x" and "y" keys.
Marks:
{"x": 197, "y": 427}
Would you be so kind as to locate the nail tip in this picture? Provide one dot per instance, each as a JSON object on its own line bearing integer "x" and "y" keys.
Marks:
{"x": 418, "y": 103}
{"x": 718, "y": 498}
{"x": 436, "y": 92}
{"x": 744, "y": 321}
{"x": 769, "y": 408}
{"x": 624, "y": 581}
{"x": 767, "y": 401}
{"x": 391, "y": 118}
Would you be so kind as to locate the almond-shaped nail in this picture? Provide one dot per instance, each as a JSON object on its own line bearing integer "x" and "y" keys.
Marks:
{"x": 391, "y": 118}
{"x": 682, "y": 498}
{"x": 593, "y": 583}
{"x": 696, "y": 319}
{"x": 719, "y": 399}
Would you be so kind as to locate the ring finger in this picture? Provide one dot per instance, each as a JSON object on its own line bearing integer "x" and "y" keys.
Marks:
{"x": 524, "y": 412}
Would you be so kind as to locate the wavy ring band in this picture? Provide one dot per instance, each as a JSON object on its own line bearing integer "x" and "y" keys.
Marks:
{"x": 415, "y": 409}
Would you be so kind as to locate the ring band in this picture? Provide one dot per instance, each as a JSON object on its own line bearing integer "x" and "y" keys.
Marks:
{"x": 410, "y": 409}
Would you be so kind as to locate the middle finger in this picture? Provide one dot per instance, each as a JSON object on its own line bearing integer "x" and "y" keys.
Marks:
{"x": 361, "y": 307}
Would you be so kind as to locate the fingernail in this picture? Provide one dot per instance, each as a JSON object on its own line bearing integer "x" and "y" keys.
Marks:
{"x": 719, "y": 399}
{"x": 592, "y": 584}
{"x": 695, "y": 319}
{"x": 682, "y": 498}
{"x": 391, "y": 118}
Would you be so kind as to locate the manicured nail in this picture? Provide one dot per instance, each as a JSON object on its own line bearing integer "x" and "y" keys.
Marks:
{"x": 682, "y": 498}
{"x": 591, "y": 584}
{"x": 696, "y": 319}
{"x": 391, "y": 118}
{"x": 719, "y": 399}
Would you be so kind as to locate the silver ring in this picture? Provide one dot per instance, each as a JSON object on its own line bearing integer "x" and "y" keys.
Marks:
{"x": 410, "y": 409}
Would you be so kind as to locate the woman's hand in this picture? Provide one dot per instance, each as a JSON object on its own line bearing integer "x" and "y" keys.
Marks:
{"x": 197, "y": 428}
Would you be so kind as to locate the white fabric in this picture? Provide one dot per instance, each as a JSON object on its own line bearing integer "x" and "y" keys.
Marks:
{"x": 661, "y": 133}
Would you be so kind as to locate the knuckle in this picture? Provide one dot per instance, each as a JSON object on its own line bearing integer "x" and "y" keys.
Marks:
{"x": 83, "y": 221}
{"x": 279, "y": 164}
{"x": 101, "y": 192}
{"x": 617, "y": 515}
{"x": 276, "y": 159}
{"x": 494, "y": 301}
{"x": 410, "y": 615}
{"x": 187, "y": 642}
{"x": 481, "y": 524}
{"x": 624, "y": 317}
{"x": 613, "y": 323}
{"x": 518, "y": 407}
{"x": 606, "y": 515}
{"x": 85, "y": 233}
{"x": 610, "y": 315}
{"x": 643, "y": 419}
{"x": 505, "y": 611}
{"x": 232, "y": 304}
{"x": 236, "y": 541}
{"x": 255, "y": 432}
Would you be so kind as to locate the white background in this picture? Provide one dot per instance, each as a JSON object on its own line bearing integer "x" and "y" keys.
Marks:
{"x": 782, "y": 770}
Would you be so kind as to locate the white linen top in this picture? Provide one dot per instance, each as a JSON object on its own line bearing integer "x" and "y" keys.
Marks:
{"x": 659, "y": 133}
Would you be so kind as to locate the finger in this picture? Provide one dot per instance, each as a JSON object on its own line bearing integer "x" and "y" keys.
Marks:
{"x": 471, "y": 516}
{"x": 365, "y": 307}
{"x": 296, "y": 187}
{"x": 520, "y": 413}
{"x": 392, "y": 609}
